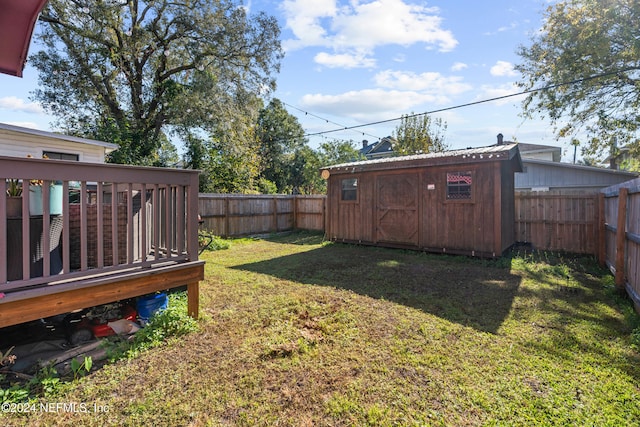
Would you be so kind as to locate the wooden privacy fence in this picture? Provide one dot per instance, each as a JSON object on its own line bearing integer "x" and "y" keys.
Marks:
{"x": 558, "y": 221}
{"x": 605, "y": 224}
{"x": 619, "y": 246}
{"x": 549, "y": 221}
{"x": 231, "y": 215}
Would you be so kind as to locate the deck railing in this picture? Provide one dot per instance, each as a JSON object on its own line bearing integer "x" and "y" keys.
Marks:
{"x": 81, "y": 219}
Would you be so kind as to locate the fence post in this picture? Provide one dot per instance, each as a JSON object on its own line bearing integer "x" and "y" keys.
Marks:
{"x": 325, "y": 216}
{"x": 621, "y": 237}
{"x": 295, "y": 212}
{"x": 227, "y": 232}
{"x": 601, "y": 250}
{"x": 275, "y": 213}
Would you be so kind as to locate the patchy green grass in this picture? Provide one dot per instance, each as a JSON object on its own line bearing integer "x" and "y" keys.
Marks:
{"x": 298, "y": 332}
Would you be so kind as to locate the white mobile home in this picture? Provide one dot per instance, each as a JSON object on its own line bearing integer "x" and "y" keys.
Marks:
{"x": 16, "y": 141}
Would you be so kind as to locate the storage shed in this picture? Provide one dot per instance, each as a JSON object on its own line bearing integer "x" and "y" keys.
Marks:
{"x": 458, "y": 201}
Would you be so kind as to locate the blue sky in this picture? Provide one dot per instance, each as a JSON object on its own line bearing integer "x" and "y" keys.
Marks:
{"x": 361, "y": 61}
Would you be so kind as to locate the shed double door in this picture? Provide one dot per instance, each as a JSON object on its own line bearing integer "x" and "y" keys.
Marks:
{"x": 397, "y": 203}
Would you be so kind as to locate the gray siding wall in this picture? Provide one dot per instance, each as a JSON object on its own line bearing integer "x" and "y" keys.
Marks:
{"x": 555, "y": 176}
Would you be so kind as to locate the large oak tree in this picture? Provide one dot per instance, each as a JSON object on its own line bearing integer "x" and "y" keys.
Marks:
{"x": 135, "y": 72}
{"x": 594, "y": 47}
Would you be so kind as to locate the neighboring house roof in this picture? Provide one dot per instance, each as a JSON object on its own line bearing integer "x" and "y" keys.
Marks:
{"x": 382, "y": 148}
{"x": 17, "y": 20}
{"x": 538, "y": 150}
{"x": 547, "y": 175}
{"x": 470, "y": 155}
{"x": 6, "y": 128}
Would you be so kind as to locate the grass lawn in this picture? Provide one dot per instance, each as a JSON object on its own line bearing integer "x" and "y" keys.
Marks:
{"x": 300, "y": 333}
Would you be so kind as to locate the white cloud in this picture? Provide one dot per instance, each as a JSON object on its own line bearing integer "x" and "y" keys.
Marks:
{"x": 386, "y": 22}
{"x": 434, "y": 83}
{"x": 362, "y": 27}
{"x": 395, "y": 93}
{"x": 13, "y": 103}
{"x": 368, "y": 105}
{"x": 502, "y": 69}
{"x": 304, "y": 20}
{"x": 344, "y": 60}
{"x": 459, "y": 66}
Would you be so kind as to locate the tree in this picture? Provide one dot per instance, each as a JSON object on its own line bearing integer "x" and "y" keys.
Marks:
{"x": 631, "y": 165}
{"x": 231, "y": 171}
{"x": 305, "y": 172}
{"x": 197, "y": 157}
{"x": 228, "y": 160}
{"x": 280, "y": 135}
{"x": 329, "y": 153}
{"x": 595, "y": 45}
{"x": 235, "y": 160}
{"x": 306, "y": 164}
{"x": 419, "y": 134}
{"x": 338, "y": 151}
{"x": 133, "y": 71}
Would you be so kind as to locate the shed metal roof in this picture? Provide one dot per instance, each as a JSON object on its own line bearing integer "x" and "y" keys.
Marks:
{"x": 470, "y": 155}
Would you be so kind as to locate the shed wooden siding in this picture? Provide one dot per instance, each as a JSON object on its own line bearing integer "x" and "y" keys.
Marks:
{"x": 458, "y": 225}
{"x": 407, "y": 206}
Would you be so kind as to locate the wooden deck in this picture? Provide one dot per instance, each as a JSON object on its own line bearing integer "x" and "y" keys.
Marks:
{"x": 59, "y": 298}
{"x": 118, "y": 232}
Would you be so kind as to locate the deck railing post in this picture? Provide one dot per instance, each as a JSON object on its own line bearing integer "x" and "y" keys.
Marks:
{"x": 192, "y": 218}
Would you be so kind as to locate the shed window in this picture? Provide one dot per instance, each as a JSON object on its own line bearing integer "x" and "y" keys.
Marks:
{"x": 350, "y": 189}
{"x": 459, "y": 185}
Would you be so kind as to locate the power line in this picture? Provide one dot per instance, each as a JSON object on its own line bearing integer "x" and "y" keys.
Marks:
{"x": 469, "y": 104}
{"x": 306, "y": 113}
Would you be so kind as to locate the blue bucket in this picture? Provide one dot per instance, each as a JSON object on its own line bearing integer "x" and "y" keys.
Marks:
{"x": 148, "y": 305}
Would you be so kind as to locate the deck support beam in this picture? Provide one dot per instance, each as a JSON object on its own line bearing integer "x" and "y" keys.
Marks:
{"x": 25, "y": 306}
{"x": 193, "y": 299}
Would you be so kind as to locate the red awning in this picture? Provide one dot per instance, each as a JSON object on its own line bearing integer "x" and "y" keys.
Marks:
{"x": 17, "y": 19}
